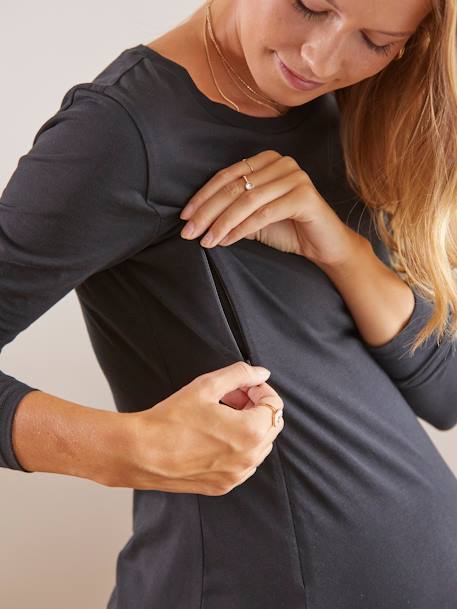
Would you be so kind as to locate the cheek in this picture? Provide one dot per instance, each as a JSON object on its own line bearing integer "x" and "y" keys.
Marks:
{"x": 360, "y": 66}
{"x": 265, "y": 25}
{"x": 373, "y": 67}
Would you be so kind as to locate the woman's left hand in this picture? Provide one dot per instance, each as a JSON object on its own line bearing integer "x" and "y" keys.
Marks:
{"x": 283, "y": 210}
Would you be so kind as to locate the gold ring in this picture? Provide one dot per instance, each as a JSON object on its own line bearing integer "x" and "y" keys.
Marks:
{"x": 276, "y": 413}
{"x": 249, "y": 165}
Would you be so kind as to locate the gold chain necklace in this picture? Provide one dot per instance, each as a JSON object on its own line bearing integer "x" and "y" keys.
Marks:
{"x": 230, "y": 67}
{"x": 242, "y": 89}
{"x": 208, "y": 22}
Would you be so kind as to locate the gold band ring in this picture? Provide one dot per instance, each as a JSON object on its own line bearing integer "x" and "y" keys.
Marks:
{"x": 276, "y": 413}
{"x": 249, "y": 165}
{"x": 248, "y": 185}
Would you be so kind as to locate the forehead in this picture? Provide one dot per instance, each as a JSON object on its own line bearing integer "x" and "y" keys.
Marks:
{"x": 389, "y": 15}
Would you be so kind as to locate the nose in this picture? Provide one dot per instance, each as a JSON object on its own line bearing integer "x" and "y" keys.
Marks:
{"x": 324, "y": 58}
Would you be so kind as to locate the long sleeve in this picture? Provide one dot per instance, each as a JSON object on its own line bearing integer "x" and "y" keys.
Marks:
{"x": 75, "y": 205}
{"x": 428, "y": 379}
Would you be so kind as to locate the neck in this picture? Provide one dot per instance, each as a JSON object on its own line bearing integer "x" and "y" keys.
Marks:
{"x": 225, "y": 25}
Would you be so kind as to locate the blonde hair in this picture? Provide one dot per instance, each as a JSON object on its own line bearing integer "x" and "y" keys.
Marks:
{"x": 398, "y": 133}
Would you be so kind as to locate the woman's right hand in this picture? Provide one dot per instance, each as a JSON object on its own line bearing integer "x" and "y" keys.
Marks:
{"x": 191, "y": 443}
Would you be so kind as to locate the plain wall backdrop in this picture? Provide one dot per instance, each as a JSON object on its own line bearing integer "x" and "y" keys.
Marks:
{"x": 60, "y": 535}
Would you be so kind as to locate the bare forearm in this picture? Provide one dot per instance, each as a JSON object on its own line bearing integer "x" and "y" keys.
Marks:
{"x": 380, "y": 302}
{"x": 56, "y": 436}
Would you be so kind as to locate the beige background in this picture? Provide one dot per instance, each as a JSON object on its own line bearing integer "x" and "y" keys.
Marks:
{"x": 60, "y": 535}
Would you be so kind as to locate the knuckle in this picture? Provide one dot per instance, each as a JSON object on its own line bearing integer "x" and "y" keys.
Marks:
{"x": 231, "y": 478}
{"x": 303, "y": 186}
{"x": 222, "y": 489}
{"x": 273, "y": 154}
{"x": 194, "y": 386}
{"x": 254, "y": 434}
{"x": 249, "y": 196}
{"x": 302, "y": 176}
{"x": 206, "y": 383}
{"x": 247, "y": 463}
{"x": 224, "y": 172}
{"x": 231, "y": 188}
{"x": 240, "y": 444}
{"x": 244, "y": 366}
{"x": 289, "y": 162}
{"x": 265, "y": 211}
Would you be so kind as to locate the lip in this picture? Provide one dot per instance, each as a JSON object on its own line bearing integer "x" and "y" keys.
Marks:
{"x": 294, "y": 79}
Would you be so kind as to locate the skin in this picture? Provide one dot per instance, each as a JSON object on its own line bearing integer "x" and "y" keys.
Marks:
{"x": 284, "y": 210}
{"x": 330, "y": 48}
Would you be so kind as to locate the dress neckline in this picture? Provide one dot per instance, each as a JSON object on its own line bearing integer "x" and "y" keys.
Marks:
{"x": 269, "y": 124}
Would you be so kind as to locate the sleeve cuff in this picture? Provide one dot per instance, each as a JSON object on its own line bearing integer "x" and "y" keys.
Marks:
{"x": 8, "y": 457}
{"x": 401, "y": 342}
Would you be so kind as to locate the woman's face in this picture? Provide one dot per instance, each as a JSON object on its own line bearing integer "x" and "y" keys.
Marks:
{"x": 335, "y": 46}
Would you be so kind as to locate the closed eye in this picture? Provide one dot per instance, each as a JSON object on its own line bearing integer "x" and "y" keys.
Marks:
{"x": 309, "y": 14}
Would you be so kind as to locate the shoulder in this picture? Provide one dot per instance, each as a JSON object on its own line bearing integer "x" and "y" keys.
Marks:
{"x": 110, "y": 102}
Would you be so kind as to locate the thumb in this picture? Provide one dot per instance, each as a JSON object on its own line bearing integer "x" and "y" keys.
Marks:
{"x": 233, "y": 377}
{"x": 264, "y": 393}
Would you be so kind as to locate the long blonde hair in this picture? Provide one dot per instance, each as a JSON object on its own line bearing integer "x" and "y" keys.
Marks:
{"x": 398, "y": 133}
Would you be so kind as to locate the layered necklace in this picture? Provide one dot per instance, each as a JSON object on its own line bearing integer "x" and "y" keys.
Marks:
{"x": 267, "y": 102}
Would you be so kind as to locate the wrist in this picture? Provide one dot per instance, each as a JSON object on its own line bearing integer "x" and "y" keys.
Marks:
{"x": 359, "y": 249}
{"x": 117, "y": 440}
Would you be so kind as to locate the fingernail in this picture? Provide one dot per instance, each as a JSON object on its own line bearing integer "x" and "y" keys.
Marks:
{"x": 260, "y": 370}
{"x": 186, "y": 212}
{"x": 188, "y": 229}
{"x": 207, "y": 239}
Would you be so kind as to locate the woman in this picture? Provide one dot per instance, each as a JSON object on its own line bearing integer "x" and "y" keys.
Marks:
{"x": 351, "y": 505}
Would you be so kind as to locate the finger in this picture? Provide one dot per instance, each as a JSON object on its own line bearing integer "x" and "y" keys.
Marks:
{"x": 260, "y": 394}
{"x": 264, "y": 392}
{"x": 218, "y": 383}
{"x": 224, "y": 211}
{"x": 257, "y": 417}
{"x": 271, "y": 203}
{"x": 236, "y": 399}
{"x": 210, "y": 209}
{"x": 251, "y": 236}
{"x": 234, "y": 186}
{"x": 225, "y": 176}
{"x": 281, "y": 209}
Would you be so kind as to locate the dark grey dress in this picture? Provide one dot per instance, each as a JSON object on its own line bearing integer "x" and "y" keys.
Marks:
{"x": 354, "y": 508}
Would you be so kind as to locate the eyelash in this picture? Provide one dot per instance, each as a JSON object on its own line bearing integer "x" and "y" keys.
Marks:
{"x": 307, "y": 12}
